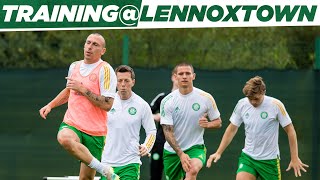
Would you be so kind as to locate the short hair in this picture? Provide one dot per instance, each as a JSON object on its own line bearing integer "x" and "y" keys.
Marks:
{"x": 254, "y": 86}
{"x": 125, "y": 68}
{"x": 174, "y": 71}
{"x": 103, "y": 40}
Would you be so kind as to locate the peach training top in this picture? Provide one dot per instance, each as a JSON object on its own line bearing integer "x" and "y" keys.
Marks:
{"x": 81, "y": 113}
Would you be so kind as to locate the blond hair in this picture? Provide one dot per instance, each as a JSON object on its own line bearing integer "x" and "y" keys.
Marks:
{"x": 254, "y": 86}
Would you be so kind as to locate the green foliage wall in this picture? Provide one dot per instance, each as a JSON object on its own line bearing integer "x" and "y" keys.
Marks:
{"x": 206, "y": 48}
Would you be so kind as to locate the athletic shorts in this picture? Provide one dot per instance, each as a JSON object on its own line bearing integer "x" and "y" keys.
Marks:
{"x": 172, "y": 164}
{"x": 265, "y": 169}
{"x": 127, "y": 172}
{"x": 95, "y": 144}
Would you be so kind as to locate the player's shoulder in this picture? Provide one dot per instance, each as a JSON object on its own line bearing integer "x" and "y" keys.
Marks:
{"x": 76, "y": 62}
{"x": 139, "y": 100}
{"x": 73, "y": 65}
{"x": 203, "y": 94}
{"x": 106, "y": 65}
{"x": 243, "y": 101}
{"x": 271, "y": 99}
{"x": 276, "y": 105}
{"x": 274, "y": 101}
{"x": 170, "y": 97}
{"x": 106, "y": 68}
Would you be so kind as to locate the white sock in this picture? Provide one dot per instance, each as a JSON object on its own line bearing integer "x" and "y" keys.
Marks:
{"x": 99, "y": 167}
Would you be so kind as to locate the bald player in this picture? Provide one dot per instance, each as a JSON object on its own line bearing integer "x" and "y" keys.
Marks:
{"x": 90, "y": 90}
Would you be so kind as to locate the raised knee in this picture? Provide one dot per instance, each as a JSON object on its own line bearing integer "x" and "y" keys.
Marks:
{"x": 65, "y": 142}
{"x": 66, "y": 138}
{"x": 193, "y": 172}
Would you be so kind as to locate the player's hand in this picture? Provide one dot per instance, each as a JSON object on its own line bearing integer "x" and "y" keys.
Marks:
{"x": 213, "y": 157}
{"x": 185, "y": 161}
{"x": 297, "y": 165}
{"x": 203, "y": 121}
{"x": 143, "y": 150}
{"x": 75, "y": 85}
{"x": 45, "y": 111}
{"x": 157, "y": 117}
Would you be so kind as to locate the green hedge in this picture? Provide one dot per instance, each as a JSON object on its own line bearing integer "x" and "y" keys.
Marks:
{"x": 206, "y": 48}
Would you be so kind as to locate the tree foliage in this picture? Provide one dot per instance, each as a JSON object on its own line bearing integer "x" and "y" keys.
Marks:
{"x": 206, "y": 48}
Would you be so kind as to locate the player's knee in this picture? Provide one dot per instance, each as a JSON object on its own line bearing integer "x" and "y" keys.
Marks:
{"x": 195, "y": 167}
{"x": 66, "y": 138}
{"x": 193, "y": 172}
{"x": 65, "y": 142}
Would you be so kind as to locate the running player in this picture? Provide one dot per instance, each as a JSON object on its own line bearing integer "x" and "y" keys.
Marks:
{"x": 128, "y": 114}
{"x": 89, "y": 92}
{"x": 261, "y": 115}
{"x": 185, "y": 113}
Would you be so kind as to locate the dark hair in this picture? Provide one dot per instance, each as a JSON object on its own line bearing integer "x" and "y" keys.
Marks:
{"x": 125, "y": 68}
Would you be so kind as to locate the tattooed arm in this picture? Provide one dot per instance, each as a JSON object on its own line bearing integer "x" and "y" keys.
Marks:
{"x": 168, "y": 133}
{"x": 184, "y": 158}
{"x": 102, "y": 102}
{"x": 60, "y": 99}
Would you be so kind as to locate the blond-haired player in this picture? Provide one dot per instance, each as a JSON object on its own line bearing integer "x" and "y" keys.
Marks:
{"x": 261, "y": 115}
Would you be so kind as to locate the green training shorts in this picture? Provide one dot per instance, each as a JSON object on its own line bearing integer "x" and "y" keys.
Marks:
{"x": 172, "y": 165}
{"x": 95, "y": 144}
{"x": 265, "y": 169}
{"x": 127, "y": 172}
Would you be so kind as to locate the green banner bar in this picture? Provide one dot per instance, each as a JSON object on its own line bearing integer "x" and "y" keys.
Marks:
{"x": 68, "y": 14}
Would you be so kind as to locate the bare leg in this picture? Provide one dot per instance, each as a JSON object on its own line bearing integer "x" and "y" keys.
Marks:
{"x": 86, "y": 173}
{"x": 196, "y": 166}
{"x": 245, "y": 176}
{"x": 69, "y": 140}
